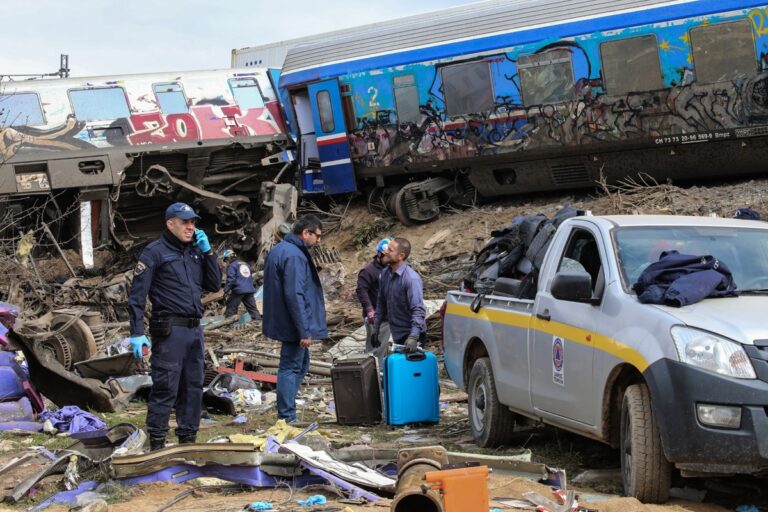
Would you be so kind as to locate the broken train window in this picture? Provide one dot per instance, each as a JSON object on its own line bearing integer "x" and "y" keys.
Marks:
{"x": 546, "y": 77}
{"x": 406, "y": 99}
{"x": 102, "y": 104}
{"x": 631, "y": 65}
{"x": 467, "y": 87}
{"x": 247, "y": 93}
{"x": 20, "y": 109}
{"x": 723, "y": 51}
{"x": 171, "y": 98}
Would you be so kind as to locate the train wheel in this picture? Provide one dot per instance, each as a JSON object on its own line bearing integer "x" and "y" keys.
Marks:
{"x": 401, "y": 208}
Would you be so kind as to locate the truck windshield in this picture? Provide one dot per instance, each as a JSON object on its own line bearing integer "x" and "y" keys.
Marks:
{"x": 743, "y": 250}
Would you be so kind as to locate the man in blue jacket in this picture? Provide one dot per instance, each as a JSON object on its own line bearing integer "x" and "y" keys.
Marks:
{"x": 174, "y": 270}
{"x": 239, "y": 286}
{"x": 294, "y": 308}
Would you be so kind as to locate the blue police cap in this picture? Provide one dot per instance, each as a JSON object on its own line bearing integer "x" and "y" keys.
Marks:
{"x": 182, "y": 211}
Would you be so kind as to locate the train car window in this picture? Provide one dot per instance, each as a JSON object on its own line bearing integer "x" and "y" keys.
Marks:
{"x": 468, "y": 88}
{"x": 723, "y": 51}
{"x": 99, "y": 104}
{"x": 20, "y": 109}
{"x": 325, "y": 110}
{"x": 546, "y": 77}
{"x": 171, "y": 98}
{"x": 631, "y": 65}
{"x": 406, "y": 99}
{"x": 247, "y": 93}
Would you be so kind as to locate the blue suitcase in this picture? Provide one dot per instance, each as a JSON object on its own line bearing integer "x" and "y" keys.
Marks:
{"x": 411, "y": 388}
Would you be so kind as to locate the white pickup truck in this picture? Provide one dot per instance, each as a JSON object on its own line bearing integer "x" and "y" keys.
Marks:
{"x": 671, "y": 387}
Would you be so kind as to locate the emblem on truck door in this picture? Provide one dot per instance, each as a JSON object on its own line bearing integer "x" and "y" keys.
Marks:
{"x": 558, "y": 360}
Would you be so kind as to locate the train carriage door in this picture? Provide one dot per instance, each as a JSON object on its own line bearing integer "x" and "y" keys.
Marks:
{"x": 331, "y": 132}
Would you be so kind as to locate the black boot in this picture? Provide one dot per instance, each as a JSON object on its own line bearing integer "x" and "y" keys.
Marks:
{"x": 187, "y": 439}
{"x": 156, "y": 443}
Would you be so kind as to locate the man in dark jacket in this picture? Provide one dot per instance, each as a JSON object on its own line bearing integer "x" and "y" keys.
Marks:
{"x": 239, "y": 286}
{"x": 368, "y": 294}
{"x": 294, "y": 308}
{"x": 174, "y": 270}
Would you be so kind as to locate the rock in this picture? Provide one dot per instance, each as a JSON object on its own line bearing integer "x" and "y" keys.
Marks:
{"x": 96, "y": 506}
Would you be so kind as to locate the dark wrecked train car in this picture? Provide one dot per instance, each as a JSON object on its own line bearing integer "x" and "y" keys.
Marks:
{"x": 112, "y": 152}
{"x": 510, "y": 97}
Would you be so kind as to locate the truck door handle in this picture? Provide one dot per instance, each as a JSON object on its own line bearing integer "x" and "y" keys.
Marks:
{"x": 544, "y": 316}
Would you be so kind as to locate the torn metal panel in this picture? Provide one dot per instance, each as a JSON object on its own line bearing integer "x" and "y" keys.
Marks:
{"x": 249, "y": 475}
{"x": 66, "y": 388}
{"x": 279, "y": 201}
{"x": 354, "y": 473}
{"x": 120, "y": 365}
{"x": 199, "y": 455}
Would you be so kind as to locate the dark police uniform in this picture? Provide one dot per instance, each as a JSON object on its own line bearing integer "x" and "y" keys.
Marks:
{"x": 240, "y": 287}
{"x": 174, "y": 274}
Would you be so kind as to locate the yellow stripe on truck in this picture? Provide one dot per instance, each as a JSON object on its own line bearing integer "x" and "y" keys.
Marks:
{"x": 568, "y": 332}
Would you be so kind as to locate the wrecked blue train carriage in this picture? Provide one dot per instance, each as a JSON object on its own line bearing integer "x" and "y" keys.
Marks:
{"x": 508, "y": 98}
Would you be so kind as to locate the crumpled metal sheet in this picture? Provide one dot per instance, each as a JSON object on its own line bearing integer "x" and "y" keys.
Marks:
{"x": 66, "y": 388}
{"x": 200, "y": 455}
{"x": 92, "y": 448}
{"x": 355, "y": 473}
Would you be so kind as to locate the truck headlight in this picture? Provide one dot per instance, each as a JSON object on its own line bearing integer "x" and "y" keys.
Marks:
{"x": 710, "y": 352}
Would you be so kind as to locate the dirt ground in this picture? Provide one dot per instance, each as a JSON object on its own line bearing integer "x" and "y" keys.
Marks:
{"x": 354, "y": 235}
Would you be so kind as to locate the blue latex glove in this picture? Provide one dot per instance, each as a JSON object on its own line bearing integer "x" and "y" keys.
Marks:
{"x": 137, "y": 342}
{"x": 260, "y": 505}
{"x": 201, "y": 239}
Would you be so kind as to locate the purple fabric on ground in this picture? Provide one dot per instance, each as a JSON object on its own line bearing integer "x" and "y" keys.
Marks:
{"x": 67, "y": 497}
{"x": 248, "y": 475}
{"x": 10, "y": 384}
{"x": 27, "y": 426}
{"x": 8, "y": 315}
{"x": 71, "y": 419}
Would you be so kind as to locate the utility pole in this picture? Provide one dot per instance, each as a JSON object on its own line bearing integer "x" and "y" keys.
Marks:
{"x": 63, "y": 66}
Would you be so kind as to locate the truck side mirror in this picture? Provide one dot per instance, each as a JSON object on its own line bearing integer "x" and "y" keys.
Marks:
{"x": 572, "y": 286}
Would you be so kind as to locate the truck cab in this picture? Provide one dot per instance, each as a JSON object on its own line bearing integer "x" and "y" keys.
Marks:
{"x": 656, "y": 381}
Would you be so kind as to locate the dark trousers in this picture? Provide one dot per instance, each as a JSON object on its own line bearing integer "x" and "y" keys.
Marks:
{"x": 246, "y": 298}
{"x": 178, "y": 369}
{"x": 293, "y": 366}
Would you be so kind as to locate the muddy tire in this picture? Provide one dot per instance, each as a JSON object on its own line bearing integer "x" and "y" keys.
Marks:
{"x": 491, "y": 423}
{"x": 645, "y": 471}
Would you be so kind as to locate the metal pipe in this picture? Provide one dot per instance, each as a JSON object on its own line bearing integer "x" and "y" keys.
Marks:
{"x": 412, "y": 494}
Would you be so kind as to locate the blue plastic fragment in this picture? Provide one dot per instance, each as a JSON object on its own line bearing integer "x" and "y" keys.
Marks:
{"x": 317, "y": 499}
{"x": 747, "y": 508}
{"x": 260, "y": 505}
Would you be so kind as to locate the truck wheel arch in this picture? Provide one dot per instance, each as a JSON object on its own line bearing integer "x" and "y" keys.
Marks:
{"x": 621, "y": 377}
{"x": 475, "y": 350}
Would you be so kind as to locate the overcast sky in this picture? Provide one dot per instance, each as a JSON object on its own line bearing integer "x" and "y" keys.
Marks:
{"x": 105, "y": 37}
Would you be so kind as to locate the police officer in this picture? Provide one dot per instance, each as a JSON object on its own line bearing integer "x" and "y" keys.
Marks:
{"x": 174, "y": 270}
{"x": 239, "y": 286}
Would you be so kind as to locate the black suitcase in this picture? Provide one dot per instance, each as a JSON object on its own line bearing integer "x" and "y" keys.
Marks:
{"x": 357, "y": 391}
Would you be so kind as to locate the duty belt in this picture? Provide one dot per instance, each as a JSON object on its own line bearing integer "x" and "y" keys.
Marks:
{"x": 184, "y": 321}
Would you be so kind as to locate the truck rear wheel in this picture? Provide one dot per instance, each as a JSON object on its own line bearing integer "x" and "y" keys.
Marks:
{"x": 492, "y": 423}
{"x": 645, "y": 471}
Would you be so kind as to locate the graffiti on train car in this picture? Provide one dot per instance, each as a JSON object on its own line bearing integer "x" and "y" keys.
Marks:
{"x": 681, "y": 106}
{"x": 203, "y": 122}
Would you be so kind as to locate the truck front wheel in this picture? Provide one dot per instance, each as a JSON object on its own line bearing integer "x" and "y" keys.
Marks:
{"x": 645, "y": 471}
{"x": 492, "y": 423}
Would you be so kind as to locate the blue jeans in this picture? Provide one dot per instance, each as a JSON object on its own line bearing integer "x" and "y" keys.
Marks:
{"x": 294, "y": 364}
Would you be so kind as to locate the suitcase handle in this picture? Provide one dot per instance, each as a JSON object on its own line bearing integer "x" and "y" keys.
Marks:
{"x": 416, "y": 356}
